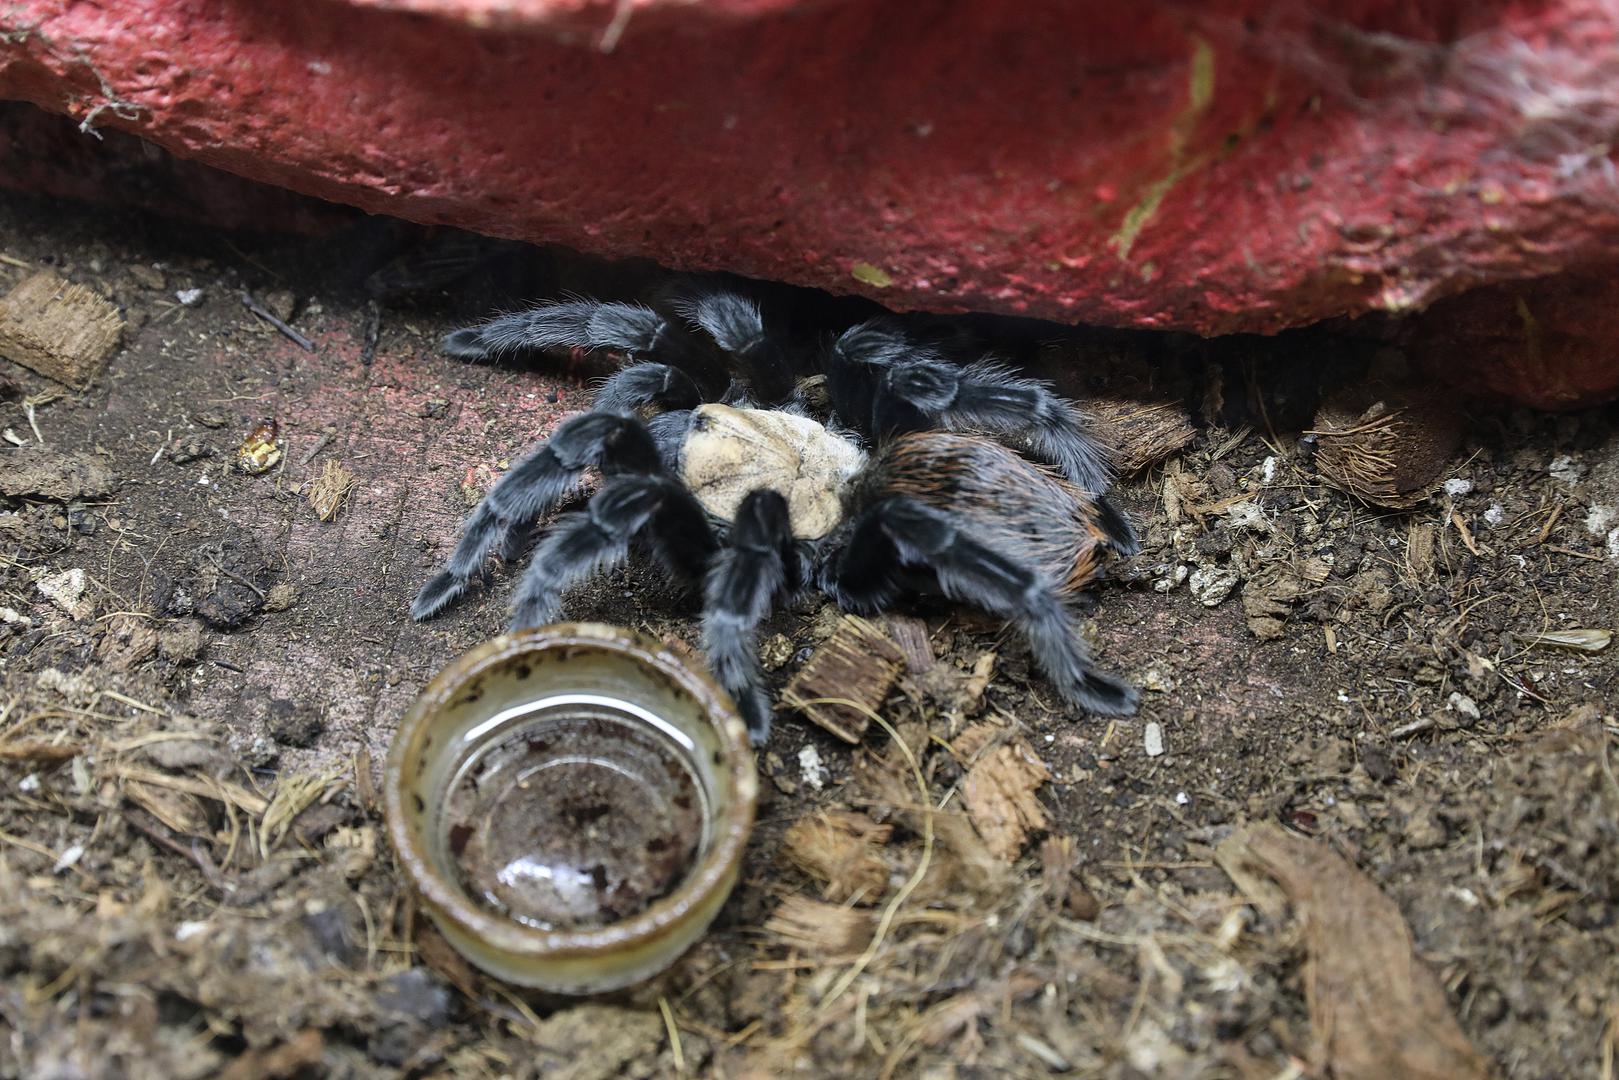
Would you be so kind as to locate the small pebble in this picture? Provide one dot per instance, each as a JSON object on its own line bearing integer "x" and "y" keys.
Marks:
{"x": 1153, "y": 739}
{"x": 1212, "y": 584}
{"x": 813, "y": 768}
{"x": 1463, "y": 705}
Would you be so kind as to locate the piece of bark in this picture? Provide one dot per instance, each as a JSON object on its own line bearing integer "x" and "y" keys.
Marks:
{"x": 1138, "y": 433}
{"x": 59, "y": 329}
{"x": 999, "y": 796}
{"x": 1386, "y": 444}
{"x": 1375, "y": 1010}
{"x": 857, "y": 664}
{"x": 45, "y": 473}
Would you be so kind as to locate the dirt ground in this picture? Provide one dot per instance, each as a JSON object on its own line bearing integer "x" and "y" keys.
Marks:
{"x": 1358, "y": 743}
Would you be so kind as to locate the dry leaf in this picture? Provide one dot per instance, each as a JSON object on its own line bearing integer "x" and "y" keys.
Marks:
{"x": 1375, "y": 1011}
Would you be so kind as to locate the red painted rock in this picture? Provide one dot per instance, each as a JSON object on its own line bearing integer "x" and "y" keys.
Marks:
{"x": 1551, "y": 343}
{"x": 1221, "y": 166}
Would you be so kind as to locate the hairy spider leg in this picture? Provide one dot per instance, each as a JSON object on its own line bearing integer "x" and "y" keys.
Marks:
{"x": 903, "y": 531}
{"x": 634, "y": 329}
{"x": 616, "y": 444}
{"x": 656, "y": 508}
{"x": 758, "y": 564}
{"x": 737, "y": 326}
{"x": 646, "y": 384}
{"x": 917, "y": 389}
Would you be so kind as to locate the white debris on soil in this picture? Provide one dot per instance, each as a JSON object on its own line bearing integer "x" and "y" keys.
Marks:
{"x": 1152, "y": 739}
{"x": 189, "y": 297}
{"x": 69, "y": 859}
{"x": 1267, "y": 471}
{"x": 1463, "y": 705}
{"x": 66, "y": 590}
{"x": 1458, "y": 486}
{"x": 1495, "y": 515}
{"x": 1566, "y": 469}
{"x": 1212, "y": 584}
{"x": 1248, "y": 515}
{"x": 1172, "y": 578}
{"x": 1601, "y": 520}
{"x": 813, "y": 768}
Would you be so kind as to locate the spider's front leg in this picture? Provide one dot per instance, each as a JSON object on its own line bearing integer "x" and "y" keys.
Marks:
{"x": 733, "y": 323}
{"x": 759, "y": 563}
{"x": 531, "y": 487}
{"x": 900, "y": 531}
{"x": 598, "y": 537}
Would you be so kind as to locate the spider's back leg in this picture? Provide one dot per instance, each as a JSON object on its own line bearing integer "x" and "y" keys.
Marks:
{"x": 901, "y": 530}
{"x": 909, "y": 388}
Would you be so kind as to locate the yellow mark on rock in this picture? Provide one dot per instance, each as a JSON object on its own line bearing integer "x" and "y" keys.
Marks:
{"x": 867, "y": 274}
{"x": 1199, "y": 95}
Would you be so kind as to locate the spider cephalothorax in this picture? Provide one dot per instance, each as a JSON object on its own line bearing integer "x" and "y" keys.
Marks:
{"x": 928, "y": 475}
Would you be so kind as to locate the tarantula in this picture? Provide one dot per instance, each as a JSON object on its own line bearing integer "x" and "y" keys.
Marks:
{"x": 910, "y": 485}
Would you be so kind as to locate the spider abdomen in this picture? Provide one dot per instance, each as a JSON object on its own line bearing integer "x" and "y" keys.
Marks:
{"x": 729, "y": 452}
{"x": 1016, "y": 506}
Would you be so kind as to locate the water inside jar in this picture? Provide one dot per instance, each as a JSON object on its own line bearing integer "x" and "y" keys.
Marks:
{"x": 576, "y": 812}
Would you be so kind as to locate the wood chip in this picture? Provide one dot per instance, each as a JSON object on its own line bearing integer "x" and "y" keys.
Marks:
{"x": 329, "y": 490}
{"x": 911, "y": 635}
{"x": 1375, "y": 1010}
{"x": 842, "y": 850}
{"x": 818, "y": 928}
{"x": 304, "y": 1051}
{"x": 858, "y": 663}
{"x": 999, "y": 795}
{"x": 1139, "y": 433}
{"x": 59, "y": 329}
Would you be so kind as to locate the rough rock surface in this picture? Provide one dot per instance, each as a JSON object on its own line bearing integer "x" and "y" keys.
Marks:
{"x": 1239, "y": 165}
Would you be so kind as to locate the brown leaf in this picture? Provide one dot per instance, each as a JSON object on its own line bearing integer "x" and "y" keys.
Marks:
{"x": 1375, "y": 1011}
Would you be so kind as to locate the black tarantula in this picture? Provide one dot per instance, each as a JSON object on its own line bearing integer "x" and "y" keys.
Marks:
{"x": 732, "y": 484}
